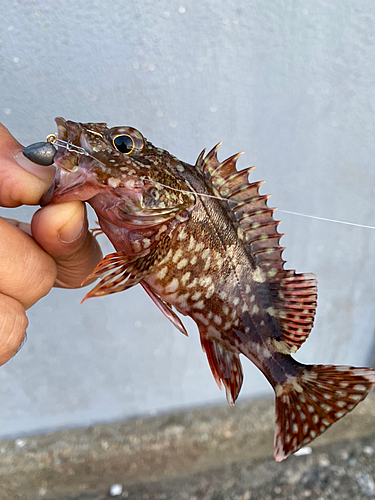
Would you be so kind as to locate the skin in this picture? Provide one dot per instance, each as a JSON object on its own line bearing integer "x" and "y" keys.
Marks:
{"x": 56, "y": 249}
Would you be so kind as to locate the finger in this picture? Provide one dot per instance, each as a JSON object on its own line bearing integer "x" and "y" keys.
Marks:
{"x": 26, "y": 228}
{"x": 62, "y": 231}
{"x": 20, "y": 185}
{"x": 13, "y": 324}
{"x": 27, "y": 273}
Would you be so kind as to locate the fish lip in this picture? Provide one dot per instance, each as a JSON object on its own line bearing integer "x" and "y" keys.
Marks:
{"x": 61, "y": 160}
{"x": 62, "y": 134}
{"x": 69, "y": 133}
{"x": 62, "y": 128}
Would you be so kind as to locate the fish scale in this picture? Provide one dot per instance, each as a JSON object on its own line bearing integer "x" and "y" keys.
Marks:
{"x": 201, "y": 239}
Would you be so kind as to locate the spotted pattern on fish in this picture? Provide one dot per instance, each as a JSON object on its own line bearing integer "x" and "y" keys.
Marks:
{"x": 201, "y": 239}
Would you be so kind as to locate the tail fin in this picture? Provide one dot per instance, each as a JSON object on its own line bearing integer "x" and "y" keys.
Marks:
{"x": 311, "y": 402}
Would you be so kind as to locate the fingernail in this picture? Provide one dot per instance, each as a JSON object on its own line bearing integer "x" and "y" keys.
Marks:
{"x": 74, "y": 228}
{"x": 44, "y": 173}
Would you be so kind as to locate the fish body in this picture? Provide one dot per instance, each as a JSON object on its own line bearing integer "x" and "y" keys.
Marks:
{"x": 202, "y": 240}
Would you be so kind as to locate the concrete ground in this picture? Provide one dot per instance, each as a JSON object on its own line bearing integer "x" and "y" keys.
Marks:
{"x": 206, "y": 454}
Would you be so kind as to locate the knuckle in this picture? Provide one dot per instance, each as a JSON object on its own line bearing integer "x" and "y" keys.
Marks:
{"x": 8, "y": 196}
{"x": 33, "y": 276}
{"x": 40, "y": 280}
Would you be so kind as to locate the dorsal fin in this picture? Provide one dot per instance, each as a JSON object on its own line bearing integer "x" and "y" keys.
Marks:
{"x": 235, "y": 184}
{"x": 199, "y": 161}
{"x": 227, "y": 167}
{"x": 210, "y": 161}
{"x": 295, "y": 299}
{"x": 294, "y": 294}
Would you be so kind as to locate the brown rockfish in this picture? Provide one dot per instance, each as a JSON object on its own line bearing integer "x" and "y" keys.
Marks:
{"x": 200, "y": 238}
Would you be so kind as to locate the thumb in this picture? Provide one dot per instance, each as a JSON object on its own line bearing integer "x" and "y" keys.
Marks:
{"x": 62, "y": 231}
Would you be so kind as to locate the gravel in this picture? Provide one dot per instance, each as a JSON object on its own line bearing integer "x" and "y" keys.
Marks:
{"x": 205, "y": 454}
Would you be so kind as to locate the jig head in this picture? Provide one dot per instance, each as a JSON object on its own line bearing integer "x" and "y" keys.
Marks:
{"x": 42, "y": 153}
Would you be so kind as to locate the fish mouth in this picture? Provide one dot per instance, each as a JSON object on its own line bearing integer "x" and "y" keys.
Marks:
{"x": 71, "y": 173}
{"x": 69, "y": 135}
{"x": 62, "y": 128}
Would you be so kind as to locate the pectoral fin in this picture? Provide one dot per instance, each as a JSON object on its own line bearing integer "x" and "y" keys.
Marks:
{"x": 119, "y": 272}
{"x": 149, "y": 218}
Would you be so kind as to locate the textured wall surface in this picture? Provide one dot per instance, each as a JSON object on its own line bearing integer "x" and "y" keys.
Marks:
{"x": 289, "y": 82}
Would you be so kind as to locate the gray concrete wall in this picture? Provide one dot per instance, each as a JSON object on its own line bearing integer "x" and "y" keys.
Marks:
{"x": 289, "y": 82}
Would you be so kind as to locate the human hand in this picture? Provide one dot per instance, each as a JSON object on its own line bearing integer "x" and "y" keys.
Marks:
{"x": 55, "y": 250}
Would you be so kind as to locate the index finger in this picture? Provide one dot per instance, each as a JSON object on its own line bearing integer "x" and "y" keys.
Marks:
{"x": 17, "y": 186}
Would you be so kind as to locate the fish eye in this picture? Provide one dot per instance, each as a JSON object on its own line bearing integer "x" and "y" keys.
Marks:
{"x": 126, "y": 140}
{"x": 123, "y": 143}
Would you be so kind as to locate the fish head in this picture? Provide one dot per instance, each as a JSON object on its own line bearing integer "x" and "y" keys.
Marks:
{"x": 119, "y": 163}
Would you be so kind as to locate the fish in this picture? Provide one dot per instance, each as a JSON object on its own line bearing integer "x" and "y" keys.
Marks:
{"x": 201, "y": 240}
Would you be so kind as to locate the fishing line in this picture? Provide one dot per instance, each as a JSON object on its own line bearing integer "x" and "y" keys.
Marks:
{"x": 72, "y": 148}
{"x": 328, "y": 220}
{"x": 79, "y": 150}
{"x": 280, "y": 210}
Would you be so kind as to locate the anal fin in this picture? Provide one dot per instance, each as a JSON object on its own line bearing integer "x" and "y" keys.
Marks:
{"x": 225, "y": 366}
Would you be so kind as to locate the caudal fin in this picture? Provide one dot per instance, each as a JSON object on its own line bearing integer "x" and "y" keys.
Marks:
{"x": 311, "y": 402}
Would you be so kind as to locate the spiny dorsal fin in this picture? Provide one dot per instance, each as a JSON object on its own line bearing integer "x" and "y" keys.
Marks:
{"x": 236, "y": 183}
{"x": 217, "y": 172}
{"x": 210, "y": 161}
{"x": 294, "y": 294}
{"x": 226, "y": 168}
{"x": 199, "y": 161}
